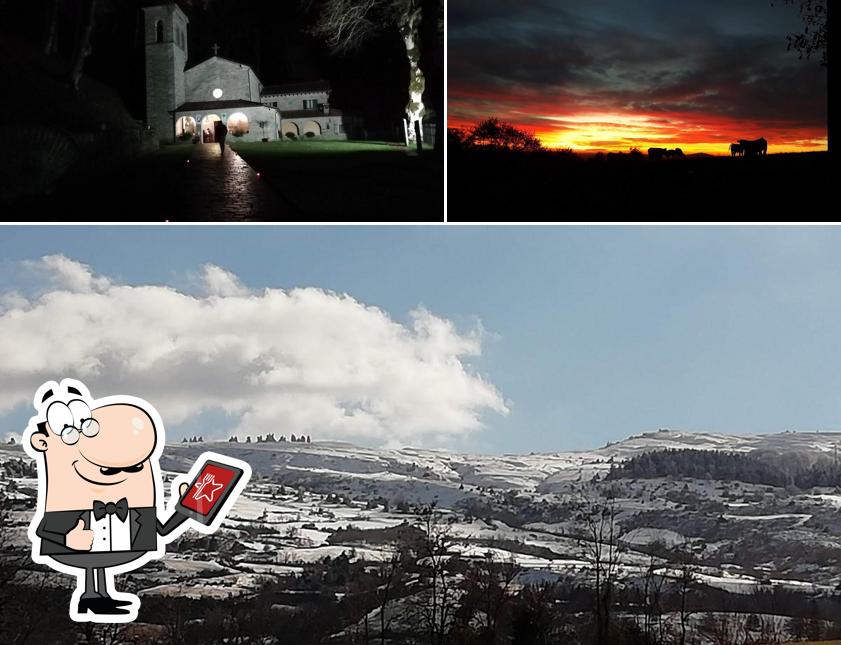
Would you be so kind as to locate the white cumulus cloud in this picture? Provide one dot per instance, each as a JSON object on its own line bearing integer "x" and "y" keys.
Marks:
{"x": 298, "y": 361}
{"x": 65, "y": 273}
{"x": 219, "y": 282}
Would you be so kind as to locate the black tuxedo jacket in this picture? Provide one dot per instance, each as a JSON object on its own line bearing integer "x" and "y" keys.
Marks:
{"x": 144, "y": 523}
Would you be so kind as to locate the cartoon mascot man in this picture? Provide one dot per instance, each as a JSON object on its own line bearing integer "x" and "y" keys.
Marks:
{"x": 100, "y": 493}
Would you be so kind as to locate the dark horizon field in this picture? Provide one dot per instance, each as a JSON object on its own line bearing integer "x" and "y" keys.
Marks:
{"x": 547, "y": 185}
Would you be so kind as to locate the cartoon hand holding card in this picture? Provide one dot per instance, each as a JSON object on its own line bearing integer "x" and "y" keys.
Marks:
{"x": 100, "y": 493}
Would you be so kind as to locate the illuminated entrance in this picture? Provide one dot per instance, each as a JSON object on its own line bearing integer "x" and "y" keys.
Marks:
{"x": 208, "y": 127}
{"x": 185, "y": 127}
{"x": 238, "y": 124}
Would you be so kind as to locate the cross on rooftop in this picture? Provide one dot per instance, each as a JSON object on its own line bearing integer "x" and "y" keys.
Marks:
{"x": 215, "y": 49}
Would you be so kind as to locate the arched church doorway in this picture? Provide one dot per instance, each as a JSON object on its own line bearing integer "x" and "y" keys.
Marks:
{"x": 185, "y": 128}
{"x": 208, "y": 127}
{"x": 290, "y": 130}
{"x": 237, "y": 124}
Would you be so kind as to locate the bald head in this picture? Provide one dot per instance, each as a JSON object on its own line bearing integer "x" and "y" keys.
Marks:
{"x": 127, "y": 436}
{"x": 111, "y": 464}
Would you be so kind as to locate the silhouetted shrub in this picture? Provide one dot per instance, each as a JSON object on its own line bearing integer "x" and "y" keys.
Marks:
{"x": 493, "y": 133}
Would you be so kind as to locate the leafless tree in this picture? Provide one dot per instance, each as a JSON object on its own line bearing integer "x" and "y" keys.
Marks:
{"x": 537, "y": 603}
{"x": 346, "y": 24}
{"x": 771, "y": 630}
{"x": 600, "y": 548}
{"x": 488, "y": 587}
{"x": 12, "y": 560}
{"x": 390, "y": 578}
{"x": 103, "y": 634}
{"x": 685, "y": 582}
{"x": 356, "y": 599}
{"x": 436, "y": 604}
{"x": 723, "y": 628}
{"x": 652, "y": 598}
{"x": 173, "y": 619}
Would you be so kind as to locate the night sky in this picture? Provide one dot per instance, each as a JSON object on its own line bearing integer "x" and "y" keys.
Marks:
{"x": 272, "y": 37}
{"x": 613, "y": 74}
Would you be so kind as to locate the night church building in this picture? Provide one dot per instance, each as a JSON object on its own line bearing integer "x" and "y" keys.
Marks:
{"x": 184, "y": 103}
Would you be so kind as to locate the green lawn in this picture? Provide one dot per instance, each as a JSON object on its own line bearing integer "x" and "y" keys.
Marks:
{"x": 366, "y": 179}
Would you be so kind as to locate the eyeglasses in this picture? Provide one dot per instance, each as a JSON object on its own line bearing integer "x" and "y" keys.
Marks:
{"x": 70, "y": 434}
{"x": 71, "y": 420}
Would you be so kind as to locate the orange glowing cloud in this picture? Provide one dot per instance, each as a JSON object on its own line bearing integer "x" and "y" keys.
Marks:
{"x": 609, "y": 75}
{"x": 617, "y": 131}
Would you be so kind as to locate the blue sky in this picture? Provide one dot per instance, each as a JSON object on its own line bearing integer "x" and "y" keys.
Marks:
{"x": 590, "y": 333}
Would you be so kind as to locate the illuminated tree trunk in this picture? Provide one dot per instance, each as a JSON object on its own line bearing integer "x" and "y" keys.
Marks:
{"x": 410, "y": 30}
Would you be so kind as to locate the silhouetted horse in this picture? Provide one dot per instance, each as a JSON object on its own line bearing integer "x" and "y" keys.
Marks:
{"x": 754, "y": 148}
{"x": 737, "y": 150}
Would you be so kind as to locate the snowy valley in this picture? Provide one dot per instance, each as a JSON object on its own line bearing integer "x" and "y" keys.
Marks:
{"x": 320, "y": 519}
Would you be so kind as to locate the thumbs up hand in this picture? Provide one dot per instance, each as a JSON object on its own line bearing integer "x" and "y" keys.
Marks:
{"x": 79, "y": 538}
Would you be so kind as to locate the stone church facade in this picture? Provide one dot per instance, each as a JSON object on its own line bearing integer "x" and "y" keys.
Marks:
{"x": 184, "y": 103}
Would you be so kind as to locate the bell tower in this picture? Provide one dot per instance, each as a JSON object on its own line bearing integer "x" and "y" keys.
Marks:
{"x": 166, "y": 57}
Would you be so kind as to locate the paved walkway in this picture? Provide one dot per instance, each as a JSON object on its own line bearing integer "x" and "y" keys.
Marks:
{"x": 209, "y": 187}
{"x": 225, "y": 188}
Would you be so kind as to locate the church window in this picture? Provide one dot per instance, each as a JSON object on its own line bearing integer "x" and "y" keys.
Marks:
{"x": 310, "y": 104}
{"x": 217, "y": 93}
{"x": 159, "y": 31}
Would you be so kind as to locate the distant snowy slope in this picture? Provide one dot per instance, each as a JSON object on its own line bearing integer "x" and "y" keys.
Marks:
{"x": 446, "y": 471}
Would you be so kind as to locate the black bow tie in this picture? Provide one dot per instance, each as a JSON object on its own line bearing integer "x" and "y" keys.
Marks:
{"x": 101, "y": 509}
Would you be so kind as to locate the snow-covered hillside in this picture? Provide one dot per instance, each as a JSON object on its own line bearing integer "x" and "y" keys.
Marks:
{"x": 309, "y": 501}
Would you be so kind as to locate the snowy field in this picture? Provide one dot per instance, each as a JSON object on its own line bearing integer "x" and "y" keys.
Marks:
{"x": 301, "y": 495}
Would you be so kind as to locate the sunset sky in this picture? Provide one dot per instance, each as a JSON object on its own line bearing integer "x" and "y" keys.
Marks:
{"x": 613, "y": 74}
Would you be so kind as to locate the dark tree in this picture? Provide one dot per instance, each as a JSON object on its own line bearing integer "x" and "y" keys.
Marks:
{"x": 494, "y": 133}
{"x": 487, "y": 585}
{"x": 814, "y": 40}
{"x": 599, "y": 543}
{"x": 436, "y": 604}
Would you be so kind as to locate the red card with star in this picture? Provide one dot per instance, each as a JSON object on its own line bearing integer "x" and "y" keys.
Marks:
{"x": 208, "y": 491}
